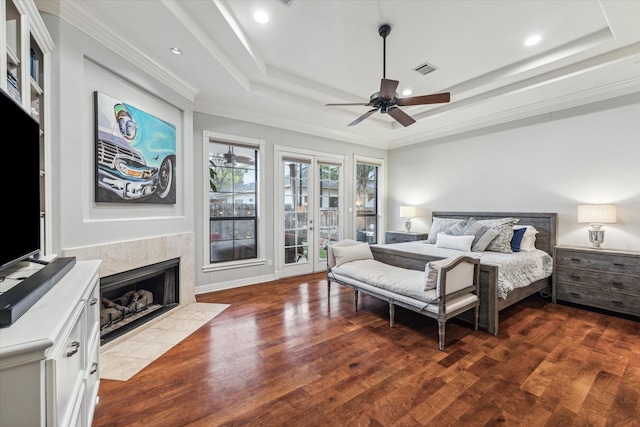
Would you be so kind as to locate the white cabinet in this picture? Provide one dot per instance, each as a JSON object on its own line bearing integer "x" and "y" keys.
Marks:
{"x": 25, "y": 47}
{"x": 49, "y": 357}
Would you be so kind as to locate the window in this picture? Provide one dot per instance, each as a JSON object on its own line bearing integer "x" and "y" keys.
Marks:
{"x": 233, "y": 201}
{"x": 366, "y": 198}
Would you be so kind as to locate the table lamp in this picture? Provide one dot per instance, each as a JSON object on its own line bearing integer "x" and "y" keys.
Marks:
{"x": 408, "y": 212}
{"x": 596, "y": 215}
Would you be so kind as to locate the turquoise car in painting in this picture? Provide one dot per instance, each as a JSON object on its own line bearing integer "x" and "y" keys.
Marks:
{"x": 136, "y": 154}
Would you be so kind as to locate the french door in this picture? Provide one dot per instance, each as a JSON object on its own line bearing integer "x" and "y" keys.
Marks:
{"x": 310, "y": 210}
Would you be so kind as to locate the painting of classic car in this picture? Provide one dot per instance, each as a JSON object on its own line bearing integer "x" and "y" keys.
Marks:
{"x": 135, "y": 154}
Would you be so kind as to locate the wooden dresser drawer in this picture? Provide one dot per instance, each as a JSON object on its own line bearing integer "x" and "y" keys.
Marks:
{"x": 599, "y": 262}
{"x": 614, "y": 301}
{"x": 599, "y": 280}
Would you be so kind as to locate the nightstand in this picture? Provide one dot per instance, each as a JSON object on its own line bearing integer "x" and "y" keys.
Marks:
{"x": 403, "y": 236}
{"x": 602, "y": 278}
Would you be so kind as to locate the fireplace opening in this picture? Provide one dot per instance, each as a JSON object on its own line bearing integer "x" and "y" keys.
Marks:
{"x": 134, "y": 297}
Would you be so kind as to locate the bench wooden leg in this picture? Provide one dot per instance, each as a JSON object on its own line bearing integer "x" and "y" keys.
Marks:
{"x": 441, "y": 334}
{"x": 355, "y": 297}
{"x": 392, "y": 313}
{"x": 477, "y": 316}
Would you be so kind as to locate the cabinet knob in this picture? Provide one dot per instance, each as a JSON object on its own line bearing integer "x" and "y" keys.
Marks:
{"x": 94, "y": 368}
{"x": 576, "y": 278}
{"x": 617, "y": 264}
{"x": 75, "y": 346}
{"x": 617, "y": 284}
{"x": 576, "y": 260}
{"x": 93, "y": 301}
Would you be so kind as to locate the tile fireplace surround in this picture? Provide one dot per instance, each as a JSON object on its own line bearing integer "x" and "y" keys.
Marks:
{"x": 128, "y": 255}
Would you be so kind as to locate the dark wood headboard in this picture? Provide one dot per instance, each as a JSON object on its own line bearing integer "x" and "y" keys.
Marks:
{"x": 545, "y": 223}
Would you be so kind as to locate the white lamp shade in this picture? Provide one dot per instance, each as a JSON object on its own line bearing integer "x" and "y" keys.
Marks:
{"x": 597, "y": 214}
{"x": 408, "y": 212}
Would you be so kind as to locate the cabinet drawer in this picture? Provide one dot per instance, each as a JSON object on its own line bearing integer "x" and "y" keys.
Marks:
{"x": 92, "y": 378}
{"x": 614, "y": 301}
{"x": 66, "y": 368}
{"x": 93, "y": 309}
{"x": 603, "y": 282}
{"x": 611, "y": 263}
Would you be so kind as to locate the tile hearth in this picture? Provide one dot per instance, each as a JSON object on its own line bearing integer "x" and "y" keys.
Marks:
{"x": 124, "y": 357}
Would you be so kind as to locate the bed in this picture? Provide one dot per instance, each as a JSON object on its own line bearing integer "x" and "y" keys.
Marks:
{"x": 494, "y": 295}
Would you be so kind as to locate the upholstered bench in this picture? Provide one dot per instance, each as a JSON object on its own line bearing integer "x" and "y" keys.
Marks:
{"x": 446, "y": 287}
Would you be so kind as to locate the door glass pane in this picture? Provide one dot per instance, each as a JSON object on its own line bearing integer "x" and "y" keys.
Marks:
{"x": 296, "y": 216}
{"x": 329, "y": 201}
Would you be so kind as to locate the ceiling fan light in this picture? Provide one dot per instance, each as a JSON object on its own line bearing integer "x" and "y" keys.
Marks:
{"x": 261, "y": 17}
{"x": 533, "y": 40}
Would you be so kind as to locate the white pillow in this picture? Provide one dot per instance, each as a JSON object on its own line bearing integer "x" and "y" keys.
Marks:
{"x": 440, "y": 224}
{"x": 432, "y": 271}
{"x": 459, "y": 243}
{"x": 346, "y": 254}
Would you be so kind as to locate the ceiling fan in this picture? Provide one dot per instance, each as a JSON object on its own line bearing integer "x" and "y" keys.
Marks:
{"x": 387, "y": 100}
{"x": 230, "y": 159}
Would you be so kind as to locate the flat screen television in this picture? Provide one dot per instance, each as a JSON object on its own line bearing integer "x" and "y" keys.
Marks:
{"x": 21, "y": 191}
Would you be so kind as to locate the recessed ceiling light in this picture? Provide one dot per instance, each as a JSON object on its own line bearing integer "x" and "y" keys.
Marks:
{"x": 261, "y": 17}
{"x": 406, "y": 92}
{"x": 176, "y": 50}
{"x": 533, "y": 40}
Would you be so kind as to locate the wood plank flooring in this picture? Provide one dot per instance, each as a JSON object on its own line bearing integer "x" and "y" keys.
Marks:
{"x": 281, "y": 355}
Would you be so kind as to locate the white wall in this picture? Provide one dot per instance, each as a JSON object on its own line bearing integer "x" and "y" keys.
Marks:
{"x": 550, "y": 163}
{"x": 81, "y": 66}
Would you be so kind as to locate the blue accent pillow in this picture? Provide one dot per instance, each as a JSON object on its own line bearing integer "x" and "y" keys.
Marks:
{"x": 518, "y": 234}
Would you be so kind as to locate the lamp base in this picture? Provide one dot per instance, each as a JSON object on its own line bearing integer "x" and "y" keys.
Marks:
{"x": 596, "y": 237}
{"x": 407, "y": 225}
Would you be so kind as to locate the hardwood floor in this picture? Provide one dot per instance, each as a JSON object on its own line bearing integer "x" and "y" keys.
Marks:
{"x": 282, "y": 356}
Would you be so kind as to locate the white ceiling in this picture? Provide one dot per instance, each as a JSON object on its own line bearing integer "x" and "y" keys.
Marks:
{"x": 314, "y": 52}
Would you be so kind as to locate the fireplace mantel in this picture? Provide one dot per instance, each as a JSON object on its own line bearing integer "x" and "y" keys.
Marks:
{"x": 128, "y": 255}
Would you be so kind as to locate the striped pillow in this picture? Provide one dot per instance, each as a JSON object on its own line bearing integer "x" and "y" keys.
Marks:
{"x": 438, "y": 225}
{"x": 483, "y": 235}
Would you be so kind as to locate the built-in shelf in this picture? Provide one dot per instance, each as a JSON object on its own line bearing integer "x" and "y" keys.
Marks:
{"x": 24, "y": 64}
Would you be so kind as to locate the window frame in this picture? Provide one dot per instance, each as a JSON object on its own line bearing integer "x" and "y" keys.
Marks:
{"x": 253, "y": 143}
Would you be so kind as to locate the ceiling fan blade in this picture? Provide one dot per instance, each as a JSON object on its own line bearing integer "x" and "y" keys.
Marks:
{"x": 436, "y": 98}
{"x": 401, "y": 117}
{"x": 362, "y": 117}
{"x": 388, "y": 88}
{"x": 355, "y": 103}
{"x": 245, "y": 160}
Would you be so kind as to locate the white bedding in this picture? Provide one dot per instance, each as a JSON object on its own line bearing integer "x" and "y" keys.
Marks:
{"x": 515, "y": 270}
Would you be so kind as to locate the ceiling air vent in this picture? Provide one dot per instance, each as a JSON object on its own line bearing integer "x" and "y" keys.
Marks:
{"x": 425, "y": 68}
{"x": 285, "y": 2}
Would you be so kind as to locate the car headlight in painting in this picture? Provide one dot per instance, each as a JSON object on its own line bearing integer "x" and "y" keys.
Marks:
{"x": 142, "y": 172}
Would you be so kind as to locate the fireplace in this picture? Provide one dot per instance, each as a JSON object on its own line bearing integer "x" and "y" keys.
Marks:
{"x": 132, "y": 298}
